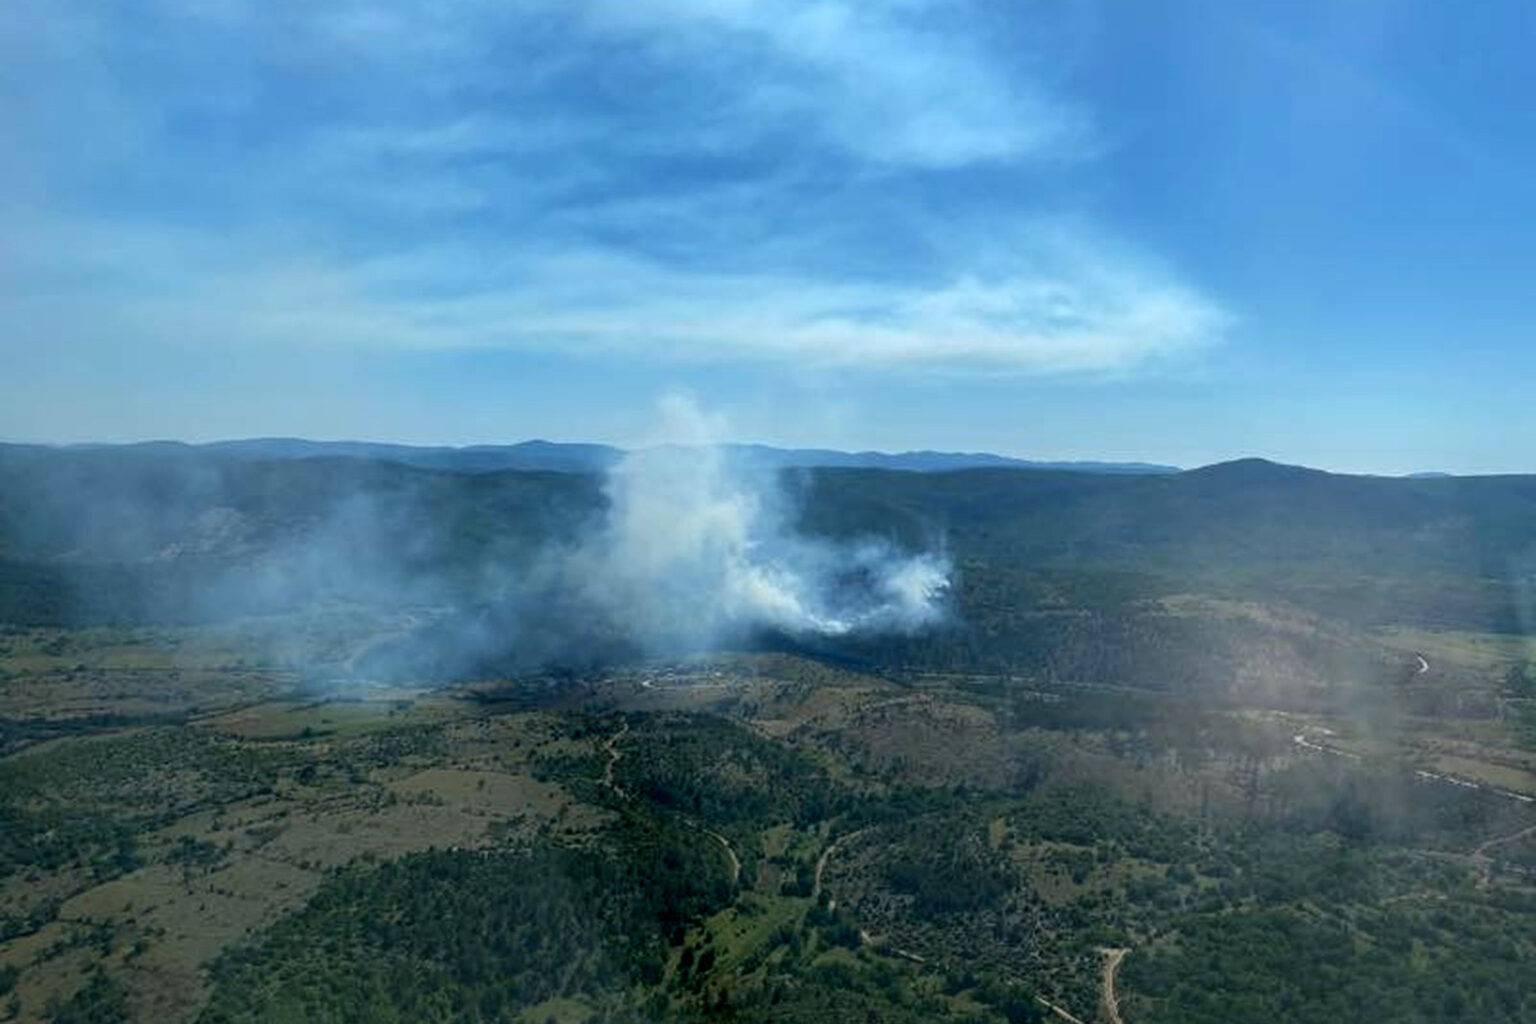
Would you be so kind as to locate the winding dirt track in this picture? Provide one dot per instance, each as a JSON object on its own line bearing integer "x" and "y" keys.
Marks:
{"x": 1482, "y": 851}
{"x": 611, "y": 748}
{"x": 1479, "y": 855}
{"x": 821, "y": 864}
{"x": 1485, "y": 863}
{"x": 725, "y": 844}
{"x": 1110, "y": 1000}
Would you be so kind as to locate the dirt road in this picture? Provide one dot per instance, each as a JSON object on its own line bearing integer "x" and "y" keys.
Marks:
{"x": 1485, "y": 863}
{"x": 1482, "y": 851}
{"x": 611, "y": 748}
{"x": 1109, "y": 999}
{"x": 821, "y": 864}
{"x": 730, "y": 853}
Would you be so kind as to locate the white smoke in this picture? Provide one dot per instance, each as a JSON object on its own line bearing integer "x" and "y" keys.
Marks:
{"x": 693, "y": 549}
{"x": 697, "y": 548}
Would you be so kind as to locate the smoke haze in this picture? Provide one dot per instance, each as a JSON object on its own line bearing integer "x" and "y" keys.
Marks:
{"x": 699, "y": 549}
{"x": 683, "y": 546}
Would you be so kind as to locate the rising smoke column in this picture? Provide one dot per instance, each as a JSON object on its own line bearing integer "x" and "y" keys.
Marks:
{"x": 697, "y": 550}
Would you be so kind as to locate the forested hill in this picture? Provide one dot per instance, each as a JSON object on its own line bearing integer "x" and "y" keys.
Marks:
{"x": 1249, "y": 516}
{"x": 1457, "y": 552}
{"x": 83, "y": 531}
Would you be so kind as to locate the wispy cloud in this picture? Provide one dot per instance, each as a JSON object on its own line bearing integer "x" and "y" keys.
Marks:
{"x": 1062, "y": 313}
{"x": 895, "y": 82}
{"x": 682, "y": 179}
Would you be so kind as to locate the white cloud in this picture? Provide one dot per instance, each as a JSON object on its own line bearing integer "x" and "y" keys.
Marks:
{"x": 424, "y": 176}
{"x": 886, "y": 80}
{"x": 1065, "y": 313}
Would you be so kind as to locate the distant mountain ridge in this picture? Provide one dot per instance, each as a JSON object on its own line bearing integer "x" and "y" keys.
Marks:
{"x": 569, "y": 457}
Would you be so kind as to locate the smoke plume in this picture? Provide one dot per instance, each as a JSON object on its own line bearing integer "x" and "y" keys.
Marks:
{"x": 697, "y": 550}
{"x": 680, "y": 547}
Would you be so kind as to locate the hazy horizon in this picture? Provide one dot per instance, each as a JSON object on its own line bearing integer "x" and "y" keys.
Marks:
{"x": 621, "y": 445}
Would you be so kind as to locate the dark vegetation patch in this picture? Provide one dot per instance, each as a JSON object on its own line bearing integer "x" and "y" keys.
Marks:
{"x": 467, "y": 936}
{"x": 1461, "y": 961}
{"x": 718, "y": 772}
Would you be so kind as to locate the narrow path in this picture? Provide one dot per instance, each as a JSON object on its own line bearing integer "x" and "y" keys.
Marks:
{"x": 1301, "y": 739}
{"x": 821, "y": 864}
{"x": 1485, "y": 863}
{"x": 1478, "y": 856}
{"x": 730, "y": 853}
{"x": 1058, "y": 1011}
{"x": 611, "y": 747}
{"x": 1482, "y": 851}
{"x": 1111, "y": 1001}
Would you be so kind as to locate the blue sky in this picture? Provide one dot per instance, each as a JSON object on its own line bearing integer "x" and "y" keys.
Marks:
{"x": 1169, "y": 231}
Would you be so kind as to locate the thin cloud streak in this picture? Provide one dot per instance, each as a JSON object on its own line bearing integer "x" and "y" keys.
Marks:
{"x": 1089, "y": 318}
{"x": 671, "y": 181}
